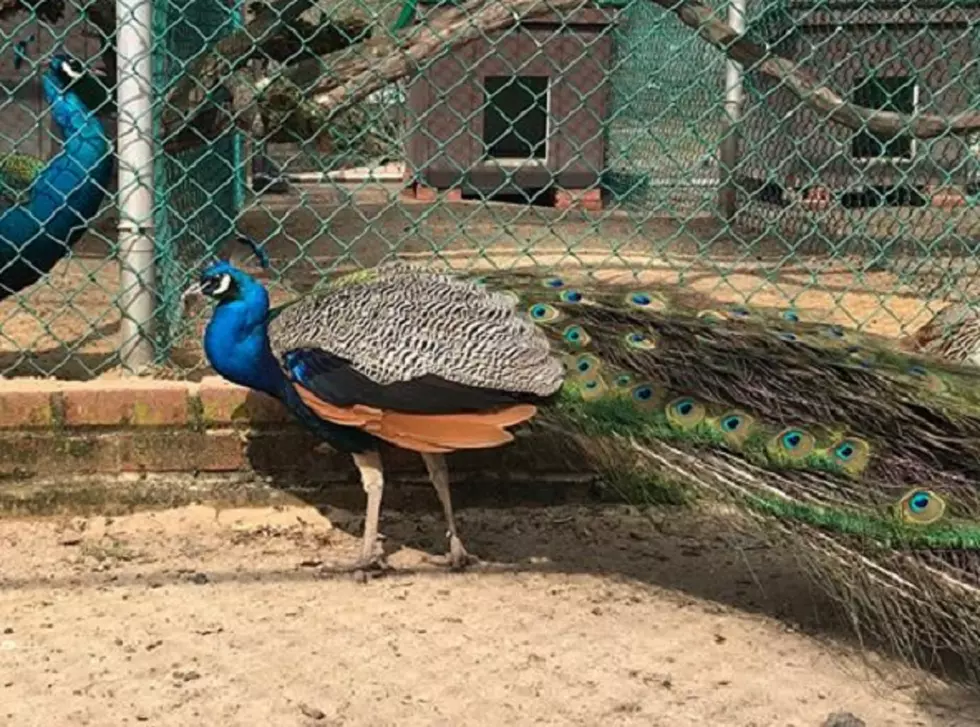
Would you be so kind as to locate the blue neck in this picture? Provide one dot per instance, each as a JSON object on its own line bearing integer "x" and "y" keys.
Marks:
{"x": 236, "y": 343}
{"x": 78, "y": 174}
{"x": 65, "y": 196}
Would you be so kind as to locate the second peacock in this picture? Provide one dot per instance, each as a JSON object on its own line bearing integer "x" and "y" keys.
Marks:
{"x": 51, "y": 203}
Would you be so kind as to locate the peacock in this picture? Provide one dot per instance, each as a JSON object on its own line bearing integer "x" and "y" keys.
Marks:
{"x": 864, "y": 457}
{"x": 50, "y": 204}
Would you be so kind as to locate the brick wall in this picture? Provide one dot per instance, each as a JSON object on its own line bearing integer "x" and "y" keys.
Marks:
{"x": 116, "y": 445}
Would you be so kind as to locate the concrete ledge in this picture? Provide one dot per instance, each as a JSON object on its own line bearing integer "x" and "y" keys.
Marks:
{"x": 119, "y": 445}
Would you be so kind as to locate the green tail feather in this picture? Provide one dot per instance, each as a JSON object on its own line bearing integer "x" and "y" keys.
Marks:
{"x": 862, "y": 455}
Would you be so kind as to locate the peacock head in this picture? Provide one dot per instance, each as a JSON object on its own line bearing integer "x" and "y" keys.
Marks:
{"x": 222, "y": 282}
{"x": 67, "y": 74}
{"x": 64, "y": 74}
{"x": 225, "y": 283}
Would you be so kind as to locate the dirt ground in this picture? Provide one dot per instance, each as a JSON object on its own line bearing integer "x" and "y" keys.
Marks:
{"x": 577, "y": 616}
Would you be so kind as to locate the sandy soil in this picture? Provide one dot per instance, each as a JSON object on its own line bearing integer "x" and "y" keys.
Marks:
{"x": 579, "y": 616}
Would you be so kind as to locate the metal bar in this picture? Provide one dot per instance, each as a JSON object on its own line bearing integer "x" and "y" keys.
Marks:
{"x": 734, "y": 94}
{"x": 134, "y": 146}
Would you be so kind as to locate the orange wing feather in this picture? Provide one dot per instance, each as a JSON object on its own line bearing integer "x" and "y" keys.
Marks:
{"x": 433, "y": 433}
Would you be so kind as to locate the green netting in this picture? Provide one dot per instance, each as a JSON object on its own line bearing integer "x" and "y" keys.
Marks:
{"x": 589, "y": 136}
{"x": 200, "y": 191}
{"x": 666, "y": 118}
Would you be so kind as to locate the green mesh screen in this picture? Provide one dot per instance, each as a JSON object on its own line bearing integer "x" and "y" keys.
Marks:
{"x": 666, "y": 118}
{"x": 198, "y": 192}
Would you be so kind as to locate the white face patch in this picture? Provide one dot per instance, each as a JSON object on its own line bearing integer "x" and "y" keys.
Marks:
{"x": 70, "y": 70}
{"x": 223, "y": 284}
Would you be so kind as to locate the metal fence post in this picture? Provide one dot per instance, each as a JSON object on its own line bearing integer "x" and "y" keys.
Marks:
{"x": 135, "y": 155}
{"x": 734, "y": 93}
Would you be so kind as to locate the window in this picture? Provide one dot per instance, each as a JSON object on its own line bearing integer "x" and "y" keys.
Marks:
{"x": 890, "y": 93}
{"x": 515, "y": 117}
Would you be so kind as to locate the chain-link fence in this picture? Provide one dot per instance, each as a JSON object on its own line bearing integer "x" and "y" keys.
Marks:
{"x": 610, "y": 135}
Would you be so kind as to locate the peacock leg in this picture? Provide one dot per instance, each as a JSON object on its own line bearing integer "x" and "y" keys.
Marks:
{"x": 439, "y": 474}
{"x": 372, "y": 479}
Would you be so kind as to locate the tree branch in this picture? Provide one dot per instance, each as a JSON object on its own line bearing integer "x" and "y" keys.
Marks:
{"x": 288, "y": 111}
{"x": 306, "y": 96}
{"x": 820, "y": 98}
{"x": 206, "y": 74}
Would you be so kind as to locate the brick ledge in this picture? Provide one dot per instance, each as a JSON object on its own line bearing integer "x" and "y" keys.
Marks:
{"x": 111, "y": 445}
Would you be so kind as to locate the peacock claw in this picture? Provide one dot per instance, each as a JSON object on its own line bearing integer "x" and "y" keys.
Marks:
{"x": 364, "y": 569}
{"x": 457, "y": 558}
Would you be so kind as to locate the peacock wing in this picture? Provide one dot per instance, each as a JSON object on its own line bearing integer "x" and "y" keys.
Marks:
{"x": 404, "y": 323}
{"x": 420, "y": 359}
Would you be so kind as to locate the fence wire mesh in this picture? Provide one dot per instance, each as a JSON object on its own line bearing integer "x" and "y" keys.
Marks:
{"x": 561, "y": 134}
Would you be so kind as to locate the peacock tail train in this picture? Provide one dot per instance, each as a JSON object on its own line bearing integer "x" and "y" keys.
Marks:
{"x": 865, "y": 459}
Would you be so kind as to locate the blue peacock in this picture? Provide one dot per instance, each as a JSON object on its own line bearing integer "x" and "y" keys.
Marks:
{"x": 50, "y": 204}
{"x": 863, "y": 457}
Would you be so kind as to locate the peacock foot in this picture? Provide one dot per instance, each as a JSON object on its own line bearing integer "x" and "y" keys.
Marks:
{"x": 457, "y": 558}
{"x": 364, "y": 569}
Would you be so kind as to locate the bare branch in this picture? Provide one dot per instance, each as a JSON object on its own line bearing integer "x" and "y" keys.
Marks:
{"x": 379, "y": 62}
{"x": 305, "y": 97}
{"x": 354, "y": 79}
{"x": 820, "y": 98}
{"x": 356, "y": 72}
{"x": 207, "y": 72}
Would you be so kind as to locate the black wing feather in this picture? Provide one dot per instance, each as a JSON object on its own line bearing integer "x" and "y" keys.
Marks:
{"x": 332, "y": 379}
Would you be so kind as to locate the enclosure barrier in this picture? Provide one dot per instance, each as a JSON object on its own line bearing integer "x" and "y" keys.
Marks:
{"x": 611, "y": 136}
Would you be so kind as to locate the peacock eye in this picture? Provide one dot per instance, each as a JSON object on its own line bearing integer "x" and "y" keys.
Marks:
{"x": 554, "y": 283}
{"x": 731, "y": 422}
{"x": 642, "y": 341}
{"x": 792, "y": 443}
{"x": 593, "y": 389}
{"x": 792, "y": 440}
{"x": 584, "y": 364}
{"x": 644, "y": 396}
{"x": 792, "y": 316}
{"x": 570, "y": 296}
{"x": 919, "y": 502}
{"x": 543, "y": 313}
{"x": 685, "y": 412}
{"x": 921, "y": 507}
{"x": 576, "y": 336}
{"x": 736, "y": 426}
